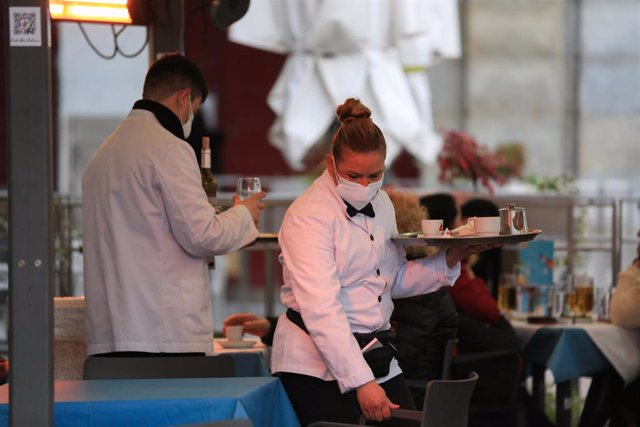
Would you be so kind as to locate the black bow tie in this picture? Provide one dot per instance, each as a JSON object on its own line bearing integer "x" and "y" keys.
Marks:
{"x": 367, "y": 210}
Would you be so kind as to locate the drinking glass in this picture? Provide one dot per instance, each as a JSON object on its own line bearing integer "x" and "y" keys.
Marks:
{"x": 507, "y": 298}
{"x": 601, "y": 304}
{"x": 248, "y": 186}
{"x": 584, "y": 295}
{"x": 557, "y": 302}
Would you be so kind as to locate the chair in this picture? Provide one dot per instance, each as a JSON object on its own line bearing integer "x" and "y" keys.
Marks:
{"x": 446, "y": 404}
{"x": 111, "y": 368}
{"x": 69, "y": 341}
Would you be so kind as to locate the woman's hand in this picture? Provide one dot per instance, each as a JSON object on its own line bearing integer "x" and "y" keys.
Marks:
{"x": 374, "y": 402}
{"x": 458, "y": 253}
{"x": 253, "y": 324}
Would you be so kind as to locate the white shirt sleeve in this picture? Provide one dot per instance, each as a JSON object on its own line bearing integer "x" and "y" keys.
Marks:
{"x": 424, "y": 275}
{"x": 193, "y": 220}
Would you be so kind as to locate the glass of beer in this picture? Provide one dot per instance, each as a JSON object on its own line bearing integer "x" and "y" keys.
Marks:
{"x": 583, "y": 295}
{"x": 507, "y": 297}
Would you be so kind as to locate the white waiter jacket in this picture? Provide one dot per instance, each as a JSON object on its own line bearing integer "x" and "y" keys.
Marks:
{"x": 147, "y": 227}
{"x": 341, "y": 273}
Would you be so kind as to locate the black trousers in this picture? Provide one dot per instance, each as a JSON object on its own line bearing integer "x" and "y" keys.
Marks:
{"x": 314, "y": 399}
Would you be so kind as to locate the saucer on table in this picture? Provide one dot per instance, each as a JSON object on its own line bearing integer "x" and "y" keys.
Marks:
{"x": 237, "y": 344}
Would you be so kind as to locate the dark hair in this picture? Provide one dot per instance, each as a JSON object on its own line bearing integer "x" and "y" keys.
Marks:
{"x": 441, "y": 206}
{"x": 357, "y": 131}
{"x": 489, "y": 264}
{"x": 171, "y": 74}
{"x": 479, "y": 207}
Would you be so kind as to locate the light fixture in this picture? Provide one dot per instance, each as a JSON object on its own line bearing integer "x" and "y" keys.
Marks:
{"x": 105, "y": 11}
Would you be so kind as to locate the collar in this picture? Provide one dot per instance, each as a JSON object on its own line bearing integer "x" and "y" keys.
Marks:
{"x": 165, "y": 116}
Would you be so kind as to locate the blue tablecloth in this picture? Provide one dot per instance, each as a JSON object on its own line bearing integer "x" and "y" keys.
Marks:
{"x": 250, "y": 365}
{"x": 167, "y": 402}
{"x": 568, "y": 352}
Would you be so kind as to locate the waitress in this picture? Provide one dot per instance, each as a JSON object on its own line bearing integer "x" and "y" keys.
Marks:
{"x": 340, "y": 272}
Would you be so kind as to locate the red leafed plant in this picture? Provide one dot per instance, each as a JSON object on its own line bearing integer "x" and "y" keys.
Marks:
{"x": 462, "y": 157}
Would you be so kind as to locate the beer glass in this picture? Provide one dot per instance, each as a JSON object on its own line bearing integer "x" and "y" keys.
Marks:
{"x": 507, "y": 298}
{"x": 584, "y": 295}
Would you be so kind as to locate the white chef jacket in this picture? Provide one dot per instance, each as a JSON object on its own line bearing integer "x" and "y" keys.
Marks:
{"x": 341, "y": 273}
{"x": 147, "y": 227}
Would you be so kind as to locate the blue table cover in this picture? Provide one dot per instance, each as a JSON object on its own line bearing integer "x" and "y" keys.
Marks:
{"x": 569, "y": 353}
{"x": 167, "y": 402}
{"x": 249, "y": 365}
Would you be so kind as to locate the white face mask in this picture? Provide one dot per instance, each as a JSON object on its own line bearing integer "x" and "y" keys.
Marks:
{"x": 186, "y": 127}
{"x": 355, "y": 194}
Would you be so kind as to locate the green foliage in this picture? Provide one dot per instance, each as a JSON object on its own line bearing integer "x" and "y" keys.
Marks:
{"x": 563, "y": 184}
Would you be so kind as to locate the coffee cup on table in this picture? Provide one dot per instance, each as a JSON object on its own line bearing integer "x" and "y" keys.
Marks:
{"x": 432, "y": 227}
{"x": 234, "y": 333}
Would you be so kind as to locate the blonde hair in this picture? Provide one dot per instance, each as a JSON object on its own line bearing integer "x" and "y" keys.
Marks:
{"x": 409, "y": 216}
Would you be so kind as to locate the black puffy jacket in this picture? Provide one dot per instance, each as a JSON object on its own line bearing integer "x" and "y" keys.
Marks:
{"x": 424, "y": 324}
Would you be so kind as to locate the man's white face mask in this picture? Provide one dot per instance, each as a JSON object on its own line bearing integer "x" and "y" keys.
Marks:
{"x": 186, "y": 127}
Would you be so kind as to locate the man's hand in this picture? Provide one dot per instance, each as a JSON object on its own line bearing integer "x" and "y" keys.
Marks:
{"x": 374, "y": 402}
{"x": 253, "y": 203}
{"x": 253, "y": 324}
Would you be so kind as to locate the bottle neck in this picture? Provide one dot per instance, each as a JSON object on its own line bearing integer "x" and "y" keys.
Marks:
{"x": 205, "y": 159}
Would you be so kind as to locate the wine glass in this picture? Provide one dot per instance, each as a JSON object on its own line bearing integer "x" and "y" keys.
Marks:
{"x": 248, "y": 186}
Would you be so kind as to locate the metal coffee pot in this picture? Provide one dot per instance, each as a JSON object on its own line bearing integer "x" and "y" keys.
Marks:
{"x": 513, "y": 220}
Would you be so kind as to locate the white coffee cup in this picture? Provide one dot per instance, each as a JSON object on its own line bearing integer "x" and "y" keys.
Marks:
{"x": 234, "y": 333}
{"x": 432, "y": 227}
{"x": 486, "y": 225}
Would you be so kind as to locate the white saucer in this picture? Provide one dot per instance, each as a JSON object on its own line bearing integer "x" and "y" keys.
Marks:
{"x": 237, "y": 344}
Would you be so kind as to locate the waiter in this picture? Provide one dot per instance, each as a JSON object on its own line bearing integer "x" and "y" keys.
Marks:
{"x": 333, "y": 349}
{"x": 148, "y": 225}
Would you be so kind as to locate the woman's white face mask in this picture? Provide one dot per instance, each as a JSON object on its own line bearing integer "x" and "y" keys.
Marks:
{"x": 355, "y": 194}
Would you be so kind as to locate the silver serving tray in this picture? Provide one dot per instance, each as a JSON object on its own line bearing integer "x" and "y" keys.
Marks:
{"x": 416, "y": 239}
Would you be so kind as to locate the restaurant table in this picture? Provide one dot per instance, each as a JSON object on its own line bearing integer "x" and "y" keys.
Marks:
{"x": 249, "y": 362}
{"x": 570, "y": 351}
{"x": 167, "y": 402}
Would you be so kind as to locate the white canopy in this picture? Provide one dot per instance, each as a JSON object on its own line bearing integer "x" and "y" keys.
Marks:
{"x": 352, "y": 48}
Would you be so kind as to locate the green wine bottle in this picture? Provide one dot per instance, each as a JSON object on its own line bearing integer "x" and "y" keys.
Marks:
{"x": 210, "y": 185}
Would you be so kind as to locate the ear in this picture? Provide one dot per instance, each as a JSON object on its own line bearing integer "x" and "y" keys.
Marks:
{"x": 329, "y": 164}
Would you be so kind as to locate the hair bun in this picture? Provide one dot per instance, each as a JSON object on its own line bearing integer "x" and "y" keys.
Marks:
{"x": 352, "y": 109}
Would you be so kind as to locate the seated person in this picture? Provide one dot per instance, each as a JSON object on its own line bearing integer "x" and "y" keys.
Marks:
{"x": 423, "y": 323}
{"x": 609, "y": 398}
{"x": 263, "y": 327}
{"x": 489, "y": 264}
{"x": 481, "y": 327}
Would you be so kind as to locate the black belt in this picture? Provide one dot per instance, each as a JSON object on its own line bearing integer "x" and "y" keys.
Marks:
{"x": 378, "y": 359}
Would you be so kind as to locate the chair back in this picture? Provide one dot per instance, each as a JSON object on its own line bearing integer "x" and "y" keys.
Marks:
{"x": 446, "y": 403}
{"x": 112, "y": 368}
{"x": 449, "y": 350}
{"x": 69, "y": 342}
